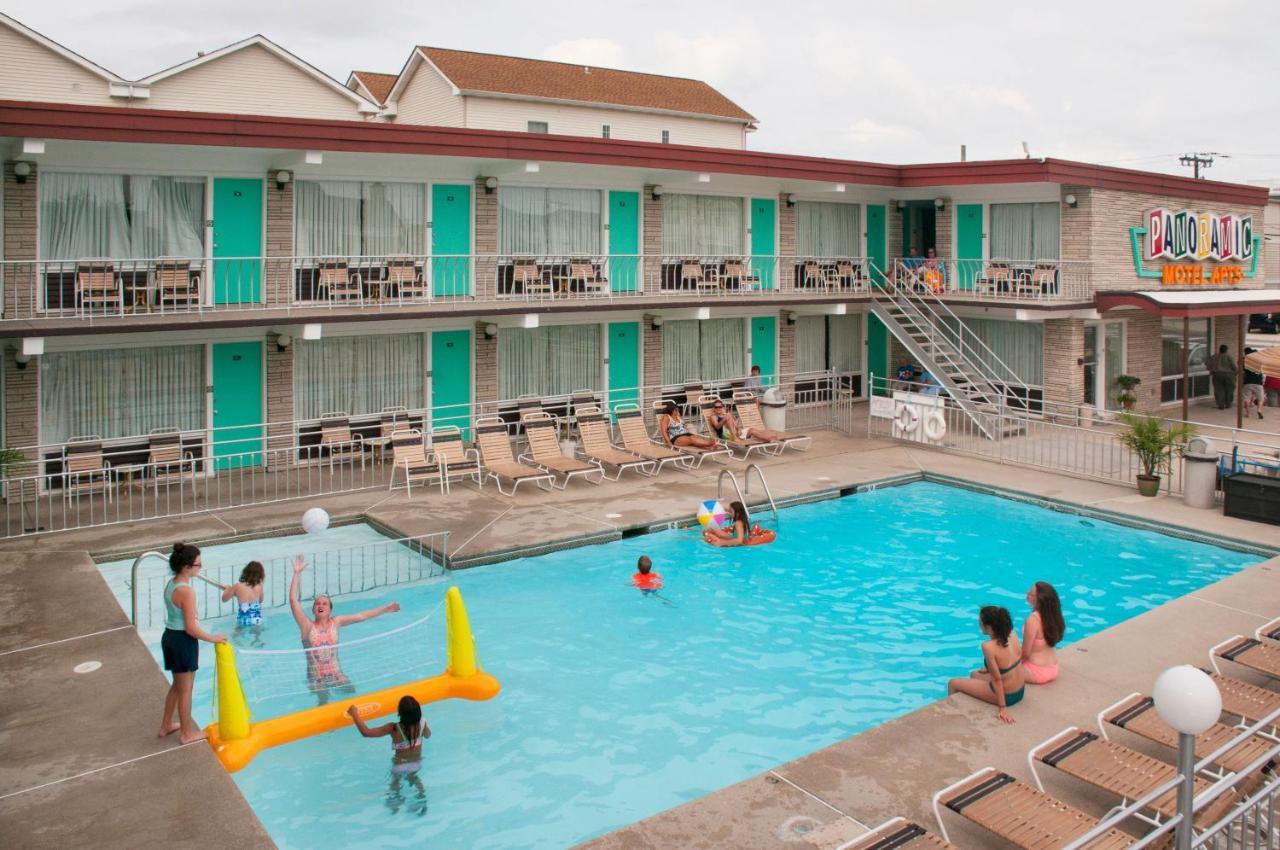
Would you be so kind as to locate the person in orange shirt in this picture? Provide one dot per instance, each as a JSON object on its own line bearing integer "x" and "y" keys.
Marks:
{"x": 645, "y": 579}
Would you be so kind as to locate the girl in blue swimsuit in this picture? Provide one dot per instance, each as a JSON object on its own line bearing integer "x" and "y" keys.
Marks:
{"x": 248, "y": 595}
{"x": 1000, "y": 682}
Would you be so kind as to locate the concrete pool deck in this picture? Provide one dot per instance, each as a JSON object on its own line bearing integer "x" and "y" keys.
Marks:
{"x": 81, "y": 749}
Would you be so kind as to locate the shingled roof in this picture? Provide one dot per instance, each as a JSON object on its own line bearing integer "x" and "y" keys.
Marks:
{"x": 486, "y": 73}
{"x": 378, "y": 85}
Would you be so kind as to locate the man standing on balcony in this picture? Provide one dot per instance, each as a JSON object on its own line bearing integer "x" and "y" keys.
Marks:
{"x": 1222, "y": 371}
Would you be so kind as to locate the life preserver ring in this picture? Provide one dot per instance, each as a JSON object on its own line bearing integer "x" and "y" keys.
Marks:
{"x": 935, "y": 426}
{"x": 907, "y": 419}
{"x": 758, "y": 537}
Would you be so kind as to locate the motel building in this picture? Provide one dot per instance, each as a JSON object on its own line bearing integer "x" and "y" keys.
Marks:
{"x": 238, "y": 246}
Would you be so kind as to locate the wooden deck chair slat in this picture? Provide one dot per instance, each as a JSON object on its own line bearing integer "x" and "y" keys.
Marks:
{"x": 1137, "y": 714}
{"x": 499, "y": 462}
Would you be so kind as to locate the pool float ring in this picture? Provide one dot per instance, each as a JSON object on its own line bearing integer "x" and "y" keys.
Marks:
{"x": 935, "y": 426}
{"x": 758, "y": 537}
{"x": 907, "y": 419}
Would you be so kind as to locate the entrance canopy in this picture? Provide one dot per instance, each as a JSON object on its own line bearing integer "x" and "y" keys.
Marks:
{"x": 1193, "y": 303}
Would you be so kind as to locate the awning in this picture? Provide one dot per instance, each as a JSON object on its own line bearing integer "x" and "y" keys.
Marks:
{"x": 1193, "y": 303}
{"x": 1266, "y": 361}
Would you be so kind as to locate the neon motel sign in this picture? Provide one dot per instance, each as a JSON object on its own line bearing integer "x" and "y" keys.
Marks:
{"x": 1186, "y": 235}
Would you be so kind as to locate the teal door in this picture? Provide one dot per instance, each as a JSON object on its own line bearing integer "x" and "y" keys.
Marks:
{"x": 877, "y": 354}
{"x": 624, "y": 241}
{"x": 451, "y": 240}
{"x": 763, "y": 217}
{"x": 875, "y": 241}
{"x": 451, "y": 379}
{"x": 237, "y": 404}
{"x": 968, "y": 243}
{"x": 764, "y": 345}
{"x": 237, "y": 240}
{"x": 624, "y": 363}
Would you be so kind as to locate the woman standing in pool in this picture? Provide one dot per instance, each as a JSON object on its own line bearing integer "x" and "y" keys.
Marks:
{"x": 1040, "y": 634}
{"x": 407, "y": 735}
{"x": 320, "y": 636}
{"x": 181, "y": 643}
{"x": 676, "y": 433}
{"x": 1001, "y": 682}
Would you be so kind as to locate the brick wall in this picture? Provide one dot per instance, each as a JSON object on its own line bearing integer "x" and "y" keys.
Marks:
{"x": 944, "y": 235}
{"x": 1271, "y": 243}
{"x": 786, "y": 354}
{"x": 1224, "y": 333}
{"x": 486, "y": 365}
{"x": 22, "y": 400}
{"x": 786, "y": 243}
{"x": 652, "y": 240}
{"x": 486, "y": 241}
{"x": 1077, "y": 224}
{"x": 20, "y": 227}
{"x": 651, "y": 342}
{"x": 1063, "y": 347}
{"x": 280, "y": 408}
{"x": 279, "y": 274}
{"x": 892, "y": 234}
{"x": 1142, "y": 351}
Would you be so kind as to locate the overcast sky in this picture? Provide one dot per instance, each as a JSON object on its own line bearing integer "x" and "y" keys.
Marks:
{"x": 1124, "y": 83}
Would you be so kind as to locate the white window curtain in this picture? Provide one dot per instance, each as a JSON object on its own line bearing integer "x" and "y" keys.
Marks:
{"x": 707, "y": 350}
{"x": 394, "y": 219}
{"x": 348, "y": 219}
{"x": 548, "y": 222}
{"x": 120, "y": 392}
{"x": 357, "y": 375}
{"x": 827, "y": 230}
{"x": 680, "y": 351}
{"x": 1019, "y": 345}
{"x": 121, "y": 217}
{"x": 548, "y": 361}
{"x": 844, "y": 335}
{"x": 811, "y": 343}
{"x": 701, "y": 226}
{"x": 327, "y": 221}
{"x": 1025, "y": 232}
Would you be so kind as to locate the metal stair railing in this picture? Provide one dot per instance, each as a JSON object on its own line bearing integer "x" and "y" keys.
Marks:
{"x": 733, "y": 479}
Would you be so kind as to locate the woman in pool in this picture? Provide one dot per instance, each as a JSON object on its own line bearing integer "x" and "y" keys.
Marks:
{"x": 1001, "y": 683}
{"x": 321, "y": 636}
{"x": 1040, "y": 634}
{"x": 407, "y": 735}
{"x": 181, "y": 643}
{"x": 676, "y": 433}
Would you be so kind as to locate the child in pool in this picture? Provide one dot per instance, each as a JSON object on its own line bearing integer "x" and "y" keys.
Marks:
{"x": 248, "y": 594}
{"x": 645, "y": 579}
{"x": 407, "y": 734}
{"x": 739, "y": 531}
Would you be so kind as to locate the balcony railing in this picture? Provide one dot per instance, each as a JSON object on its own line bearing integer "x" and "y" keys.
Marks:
{"x": 1014, "y": 281}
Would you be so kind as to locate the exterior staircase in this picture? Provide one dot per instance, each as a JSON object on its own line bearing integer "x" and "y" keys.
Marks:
{"x": 972, "y": 375}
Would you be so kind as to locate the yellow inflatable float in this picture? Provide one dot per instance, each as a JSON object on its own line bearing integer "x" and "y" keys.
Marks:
{"x": 236, "y": 739}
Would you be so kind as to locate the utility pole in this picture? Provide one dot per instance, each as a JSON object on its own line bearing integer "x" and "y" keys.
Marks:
{"x": 1198, "y": 160}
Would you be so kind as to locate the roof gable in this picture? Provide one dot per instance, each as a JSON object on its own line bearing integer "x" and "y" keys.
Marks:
{"x": 53, "y": 46}
{"x": 374, "y": 85}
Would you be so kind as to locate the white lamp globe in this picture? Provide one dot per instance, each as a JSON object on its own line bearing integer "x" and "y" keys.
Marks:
{"x": 1187, "y": 699}
{"x": 315, "y": 520}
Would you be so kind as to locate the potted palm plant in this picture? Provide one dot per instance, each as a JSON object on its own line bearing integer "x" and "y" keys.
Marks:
{"x": 1126, "y": 384}
{"x": 1155, "y": 446}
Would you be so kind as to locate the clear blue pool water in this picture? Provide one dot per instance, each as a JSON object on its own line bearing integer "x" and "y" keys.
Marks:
{"x": 617, "y": 705}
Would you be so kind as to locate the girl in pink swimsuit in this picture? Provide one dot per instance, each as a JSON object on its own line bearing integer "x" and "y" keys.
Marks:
{"x": 321, "y": 636}
{"x": 1041, "y": 632}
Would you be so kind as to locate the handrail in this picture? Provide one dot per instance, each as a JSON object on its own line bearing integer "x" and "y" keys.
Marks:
{"x": 133, "y": 581}
{"x": 764, "y": 484}
{"x": 733, "y": 479}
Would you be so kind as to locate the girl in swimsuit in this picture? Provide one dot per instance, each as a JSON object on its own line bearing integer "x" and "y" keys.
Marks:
{"x": 737, "y": 533}
{"x": 321, "y": 636}
{"x": 1001, "y": 682}
{"x": 248, "y": 594}
{"x": 407, "y": 735}
{"x": 180, "y": 643}
{"x": 676, "y": 433}
{"x": 1041, "y": 632}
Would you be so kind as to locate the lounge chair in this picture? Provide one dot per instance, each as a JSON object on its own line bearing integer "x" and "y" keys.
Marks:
{"x": 898, "y": 834}
{"x": 748, "y": 408}
{"x": 1248, "y": 652}
{"x": 337, "y": 282}
{"x": 409, "y": 456}
{"x": 745, "y": 445}
{"x": 98, "y": 286}
{"x": 696, "y": 454}
{"x": 167, "y": 460}
{"x": 1136, "y": 713}
{"x": 85, "y": 469}
{"x": 497, "y": 461}
{"x": 1247, "y": 701}
{"x": 593, "y": 429}
{"x": 544, "y": 451}
{"x": 176, "y": 286}
{"x": 406, "y": 279}
{"x": 1020, "y": 814}
{"x": 455, "y": 459}
{"x": 336, "y": 438}
{"x": 635, "y": 439}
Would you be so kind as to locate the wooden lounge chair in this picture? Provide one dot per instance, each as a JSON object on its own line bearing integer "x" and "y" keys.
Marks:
{"x": 176, "y": 286}
{"x": 738, "y": 272}
{"x": 337, "y": 440}
{"x": 744, "y": 445}
{"x": 409, "y": 457}
{"x": 405, "y": 278}
{"x": 995, "y": 278}
{"x": 635, "y": 439}
{"x": 1136, "y": 713}
{"x": 1247, "y": 701}
{"x": 167, "y": 461}
{"x": 528, "y": 275}
{"x": 85, "y": 470}
{"x": 98, "y": 287}
{"x": 499, "y": 464}
{"x": 898, "y": 834}
{"x": 544, "y": 451}
{"x": 456, "y": 461}
{"x": 337, "y": 282}
{"x": 1248, "y": 652}
{"x": 696, "y": 454}
{"x": 748, "y": 408}
{"x": 586, "y": 274}
{"x": 1020, "y": 814}
{"x": 593, "y": 430}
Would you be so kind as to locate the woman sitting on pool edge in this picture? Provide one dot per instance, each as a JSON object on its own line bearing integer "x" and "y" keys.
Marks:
{"x": 321, "y": 636}
{"x": 1041, "y": 632}
{"x": 676, "y": 433}
{"x": 739, "y": 532}
{"x": 407, "y": 735}
{"x": 1001, "y": 684}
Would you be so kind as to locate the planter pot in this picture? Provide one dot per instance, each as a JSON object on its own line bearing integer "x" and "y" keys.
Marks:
{"x": 1149, "y": 485}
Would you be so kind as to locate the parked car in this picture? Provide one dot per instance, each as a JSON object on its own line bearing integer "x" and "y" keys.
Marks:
{"x": 1263, "y": 323}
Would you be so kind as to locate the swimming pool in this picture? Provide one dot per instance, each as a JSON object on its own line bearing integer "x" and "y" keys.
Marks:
{"x": 617, "y": 705}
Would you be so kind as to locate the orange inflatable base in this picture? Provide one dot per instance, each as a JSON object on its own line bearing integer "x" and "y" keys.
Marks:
{"x": 758, "y": 537}
{"x": 326, "y": 718}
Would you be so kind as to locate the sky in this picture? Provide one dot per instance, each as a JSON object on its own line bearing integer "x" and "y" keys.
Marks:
{"x": 897, "y": 81}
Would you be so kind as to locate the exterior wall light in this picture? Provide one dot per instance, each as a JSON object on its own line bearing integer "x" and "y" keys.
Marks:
{"x": 791, "y": 200}
{"x": 490, "y": 184}
{"x": 282, "y": 179}
{"x": 939, "y": 203}
{"x": 283, "y": 341}
{"x": 655, "y": 192}
{"x": 490, "y": 330}
{"x": 791, "y": 317}
{"x": 1070, "y": 200}
{"x": 902, "y": 205}
{"x": 655, "y": 322}
{"x": 21, "y": 171}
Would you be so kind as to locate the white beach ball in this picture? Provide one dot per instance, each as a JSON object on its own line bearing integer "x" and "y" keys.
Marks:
{"x": 315, "y": 520}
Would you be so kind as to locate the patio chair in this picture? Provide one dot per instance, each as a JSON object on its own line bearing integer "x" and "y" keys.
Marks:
{"x": 745, "y": 445}
{"x": 409, "y": 456}
{"x": 85, "y": 469}
{"x": 597, "y": 447}
{"x": 544, "y": 451}
{"x": 1043, "y": 280}
{"x": 167, "y": 460}
{"x": 813, "y": 277}
{"x": 849, "y": 275}
{"x": 338, "y": 283}
{"x": 175, "y": 285}
{"x": 456, "y": 461}
{"x": 498, "y": 463}
{"x": 337, "y": 440}
{"x": 1255, "y": 654}
{"x": 694, "y": 274}
{"x": 391, "y": 420}
{"x": 1136, "y": 713}
{"x": 898, "y": 834}
{"x": 635, "y": 439}
{"x": 738, "y": 272}
{"x": 696, "y": 454}
{"x": 98, "y": 286}
{"x": 996, "y": 278}
{"x": 528, "y": 275}
{"x": 586, "y": 274}
{"x": 403, "y": 276}
{"x": 748, "y": 408}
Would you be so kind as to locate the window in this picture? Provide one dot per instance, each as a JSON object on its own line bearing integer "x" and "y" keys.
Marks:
{"x": 829, "y": 342}
{"x": 666, "y": 137}
{"x": 707, "y": 350}
{"x": 348, "y": 219}
{"x": 1025, "y": 232}
{"x": 1200, "y": 344}
{"x": 549, "y": 222}
{"x": 701, "y": 225}
{"x": 548, "y": 361}
{"x": 358, "y": 375}
{"x": 827, "y": 230}
{"x": 538, "y": 127}
{"x": 604, "y": 131}
{"x": 121, "y": 392}
{"x": 122, "y": 217}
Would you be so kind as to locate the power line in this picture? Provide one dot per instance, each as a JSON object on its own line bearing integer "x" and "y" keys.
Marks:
{"x": 1201, "y": 159}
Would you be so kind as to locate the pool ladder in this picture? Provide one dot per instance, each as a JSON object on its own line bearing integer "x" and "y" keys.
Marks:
{"x": 733, "y": 479}
{"x": 133, "y": 580}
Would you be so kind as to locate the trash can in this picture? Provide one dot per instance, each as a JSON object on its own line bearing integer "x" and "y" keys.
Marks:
{"x": 773, "y": 409}
{"x": 1200, "y": 478}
